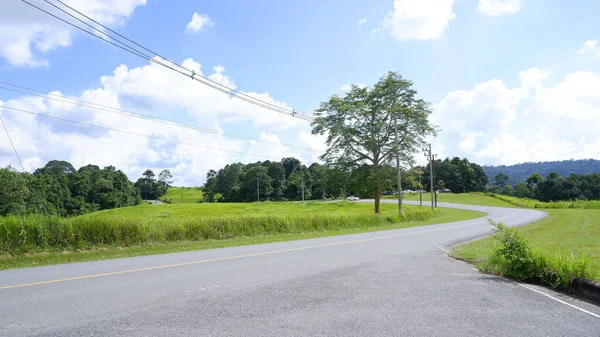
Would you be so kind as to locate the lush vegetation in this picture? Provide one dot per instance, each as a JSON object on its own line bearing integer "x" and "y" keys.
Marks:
{"x": 520, "y": 172}
{"x": 59, "y": 189}
{"x": 457, "y": 175}
{"x": 48, "y": 256}
{"x": 157, "y": 224}
{"x": 373, "y": 126}
{"x": 564, "y": 245}
{"x": 551, "y": 188}
{"x": 151, "y": 187}
{"x": 531, "y": 203}
{"x": 178, "y": 195}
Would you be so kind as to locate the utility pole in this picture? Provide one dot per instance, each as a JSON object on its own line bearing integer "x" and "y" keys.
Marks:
{"x": 398, "y": 174}
{"x": 257, "y": 190}
{"x": 420, "y": 190}
{"x": 430, "y": 156}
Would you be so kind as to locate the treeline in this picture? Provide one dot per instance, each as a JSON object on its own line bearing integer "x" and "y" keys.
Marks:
{"x": 151, "y": 187}
{"x": 456, "y": 174}
{"x": 287, "y": 179}
{"x": 59, "y": 189}
{"x": 520, "y": 172}
{"x": 551, "y": 188}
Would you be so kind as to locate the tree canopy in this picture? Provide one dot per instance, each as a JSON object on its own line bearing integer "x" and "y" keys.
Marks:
{"x": 57, "y": 188}
{"x": 361, "y": 127}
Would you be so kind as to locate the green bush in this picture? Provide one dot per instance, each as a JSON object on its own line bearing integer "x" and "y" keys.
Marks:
{"x": 513, "y": 258}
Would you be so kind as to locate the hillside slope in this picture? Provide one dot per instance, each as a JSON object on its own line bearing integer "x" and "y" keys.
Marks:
{"x": 520, "y": 172}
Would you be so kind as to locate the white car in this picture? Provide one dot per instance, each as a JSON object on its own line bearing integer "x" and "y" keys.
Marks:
{"x": 352, "y": 198}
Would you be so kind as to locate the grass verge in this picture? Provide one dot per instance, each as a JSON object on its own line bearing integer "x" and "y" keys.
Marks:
{"x": 461, "y": 198}
{"x": 28, "y": 242}
{"x": 564, "y": 245}
{"x": 532, "y": 203}
{"x": 190, "y": 195}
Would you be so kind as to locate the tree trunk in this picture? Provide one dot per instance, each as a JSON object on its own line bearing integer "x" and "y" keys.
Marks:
{"x": 377, "y": 199}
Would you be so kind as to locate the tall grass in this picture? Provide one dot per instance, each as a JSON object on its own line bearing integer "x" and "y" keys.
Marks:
{"x": 512, "y": 257}
{"x": 532, "y": 203}
{"x": 29, "y": 233}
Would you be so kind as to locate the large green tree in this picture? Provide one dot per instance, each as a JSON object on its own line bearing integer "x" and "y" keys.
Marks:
{"x": 360, "y": 126}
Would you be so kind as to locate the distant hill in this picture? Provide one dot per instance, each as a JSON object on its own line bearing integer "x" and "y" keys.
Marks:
{"x": 520, "y": 172}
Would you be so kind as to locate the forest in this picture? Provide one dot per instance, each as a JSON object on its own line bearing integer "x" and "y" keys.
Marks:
{"x": 289, "y": 179}
{"x": 59, "y": 189}
{"x": 520, "y": 172}
{"x": 553, "y": 187}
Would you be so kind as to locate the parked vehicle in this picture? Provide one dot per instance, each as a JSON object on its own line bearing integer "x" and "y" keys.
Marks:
{"x": 445, "y": 190}
{"x": 352, "y": 198}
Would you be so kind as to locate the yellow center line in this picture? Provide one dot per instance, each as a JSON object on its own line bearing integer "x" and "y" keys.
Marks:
{"x": 227, "y": 258}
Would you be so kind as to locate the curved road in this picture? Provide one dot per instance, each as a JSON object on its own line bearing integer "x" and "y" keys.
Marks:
{"x": 391, "y": 283}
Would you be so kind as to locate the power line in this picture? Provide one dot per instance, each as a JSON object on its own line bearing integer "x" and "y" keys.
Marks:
{"x": 12, "y": 144}
{"x": 157, "y": 54}
{"x": 198, "y": 77}
{"x": 135, "y": 133}
{"x": 100, "y": 107}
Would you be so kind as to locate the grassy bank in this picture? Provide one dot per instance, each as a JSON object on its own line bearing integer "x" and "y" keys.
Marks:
{"x": 189, "y": 194}
{"x": 154, "y": 229}
{"x": 532, "y": 203}
{"x": 564, "y": 239}
{"x": 463, "y": 198}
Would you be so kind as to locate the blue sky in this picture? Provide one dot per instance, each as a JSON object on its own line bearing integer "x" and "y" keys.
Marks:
{"x": 509, "y": 80}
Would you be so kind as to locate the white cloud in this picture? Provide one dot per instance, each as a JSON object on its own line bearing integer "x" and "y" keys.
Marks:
{"x": 362, "y": 21}
{"x": 534, "y": 121}
{"x": 499, "y": 7}
{"x": 153, "y": 90}
{"x": 469, "y": 140}
{"x": 199, "y": 22}
{"x": 26, "y": 34}
{"x": 418, "y": 19}
{"x": 590, "y": 46}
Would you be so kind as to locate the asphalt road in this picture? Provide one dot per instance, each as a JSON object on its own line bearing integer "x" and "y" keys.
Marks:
{"x": 392, "y": 283}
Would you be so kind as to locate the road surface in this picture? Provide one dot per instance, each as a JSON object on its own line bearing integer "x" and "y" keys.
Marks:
{"x": 391, "y": 283}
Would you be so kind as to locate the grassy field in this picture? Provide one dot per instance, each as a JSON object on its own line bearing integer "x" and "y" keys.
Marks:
{"x": 566, "y": 234}
{"x": 190, "y": 195}
{"x": 154, "y": 229}
{"x": 531, "y": 203}
{"x": 463, "y": 198}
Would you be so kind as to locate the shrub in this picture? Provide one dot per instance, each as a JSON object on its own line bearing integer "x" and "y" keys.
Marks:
{"x": 512, "y": 258}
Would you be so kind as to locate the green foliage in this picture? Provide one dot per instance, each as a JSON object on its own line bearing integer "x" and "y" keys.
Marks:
{"x": 34, "y": 232}
{"x": 59, "y": 189}
{"x": 361, "y": 127}
{"x": 501, "y": 179}
{"x": 532, "y": 203}
{"x": 522, "y": 191}
{"x": 520, "y": 172}
{"x": 458, "y": 175}
{"x": 151, "y": 188}
{"x": 512, "y": 257}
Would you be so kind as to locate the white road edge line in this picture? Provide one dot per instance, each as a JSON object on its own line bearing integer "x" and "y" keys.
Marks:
{"x": 438, "y": 247}
{"x": 561, "y": 301}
